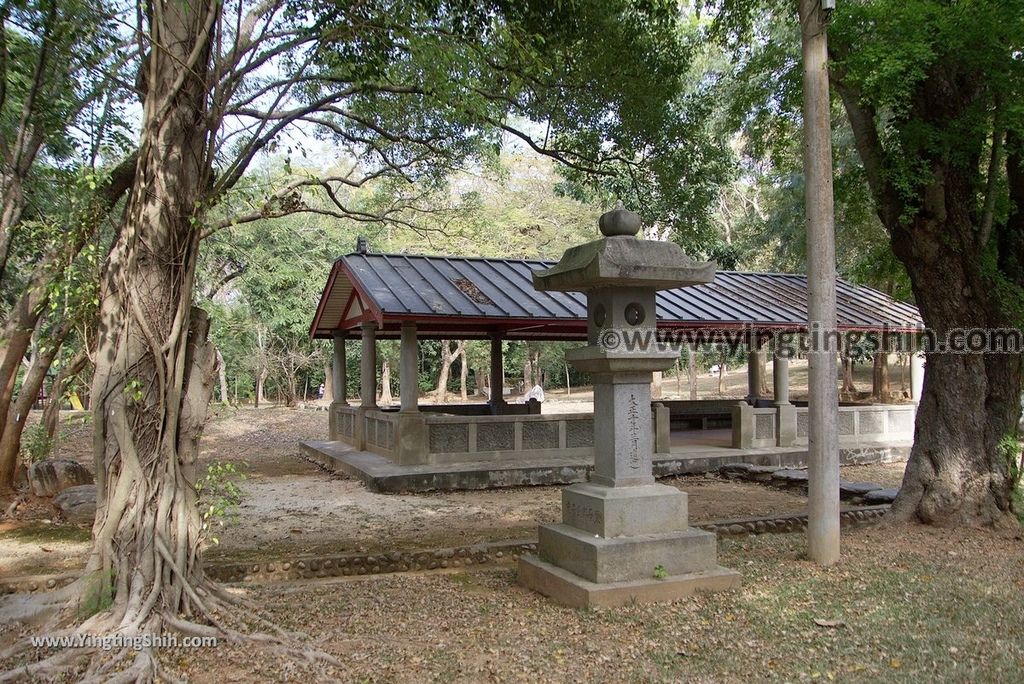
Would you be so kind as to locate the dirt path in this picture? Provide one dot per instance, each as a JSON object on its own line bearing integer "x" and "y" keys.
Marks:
{"x": 292, "y": 507}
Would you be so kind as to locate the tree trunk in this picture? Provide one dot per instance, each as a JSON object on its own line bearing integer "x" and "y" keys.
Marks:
{"x": 261, "y": 381}
{"x": 51, "y": 414}
{"x": 17, "y": 414}
{"x": 386, "y": 399}
{"x": 956, "y": 474}
{"x": 961, "y": 280}
{"x": 32, "y": 383}
{"x": 762, "y": 362}
{"x": 721, "y": 375}
{"x": 329, "y": 383}
{"x": 441, "y": 394}
{"x": 527, "y": 372}
{"x": 13, "y": 347}
{"x": 154, "y": 362}
{"x": 657, "y": 378}
{"x": 480, "y": 379}
{"x": 222, "y": 377}
{"x": 848, "y": 385}
{"x": 463, "y": 372}
{"x": 880, "y": 377}
{"x": 691, "y": 365}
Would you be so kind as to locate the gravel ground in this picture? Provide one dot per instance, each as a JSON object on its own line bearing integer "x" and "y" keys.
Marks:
{"x": 292, "y": 507}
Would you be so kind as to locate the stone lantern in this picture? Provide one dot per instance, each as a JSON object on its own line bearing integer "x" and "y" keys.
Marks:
{"x": 623, "y": 537}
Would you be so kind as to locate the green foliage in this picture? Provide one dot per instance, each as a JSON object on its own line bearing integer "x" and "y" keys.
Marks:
{"x": 1010, "y": 448}
{"x": 36, "y": 444}
{"x": 660, "y": 572}
{"x": 219, "y": 496}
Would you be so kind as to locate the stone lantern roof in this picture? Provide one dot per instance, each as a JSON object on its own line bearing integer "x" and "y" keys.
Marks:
{"x": 621, "y": 259}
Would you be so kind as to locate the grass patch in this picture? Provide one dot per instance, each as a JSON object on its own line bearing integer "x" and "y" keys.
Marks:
{"x": 40, "y": 532}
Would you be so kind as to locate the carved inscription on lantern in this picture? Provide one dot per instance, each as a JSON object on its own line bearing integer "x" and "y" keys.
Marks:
{"x": 633, "y": 420}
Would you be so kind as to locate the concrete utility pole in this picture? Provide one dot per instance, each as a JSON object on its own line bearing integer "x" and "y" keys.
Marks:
{"x": 823, "y": 404}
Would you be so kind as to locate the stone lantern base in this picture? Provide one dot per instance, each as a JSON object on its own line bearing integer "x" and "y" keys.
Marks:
{"x": 567, "y": 589}
{"x": 622, "y": 544}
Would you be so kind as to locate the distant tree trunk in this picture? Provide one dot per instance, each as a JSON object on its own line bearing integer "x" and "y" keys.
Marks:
{"x": 441, "y": 393}
{"x": 880, "y": 377}
{"x": 17, "y": 414}
{"x": 463, "y": 372}
{"x": 222, "y": 377}
{"x": 538, "y": 375}
{"x": 721, "y": 374}
{"x": 568, "y": 386}
{"x": 261, "y": 381}
{"x": 848, "y": 385}
{"x": 657, "y": 377}
{"x": 480, "y": 380}
{"x": 51, "y": 414}
{"x": 903, "y": 361}
{"x": 691, "y": 363}
{"x": 14, "y": 344}
{"x": 762, "y": 362}
{"x": 386, "y": 398}
{"x": 291, "y": 385}
{"x": 527, "y": 372}
{"x": 329, "y": 382}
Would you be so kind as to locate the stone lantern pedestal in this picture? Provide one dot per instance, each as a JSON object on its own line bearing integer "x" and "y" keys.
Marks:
{"x": 623, "y": 537}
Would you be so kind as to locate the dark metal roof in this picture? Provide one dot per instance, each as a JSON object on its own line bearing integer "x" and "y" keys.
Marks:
{"x": 471, "y": 297}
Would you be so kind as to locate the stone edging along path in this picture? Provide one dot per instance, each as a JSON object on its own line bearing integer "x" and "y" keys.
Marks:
{"x": 363, "y": 564}
{"x": 867, "y": 493}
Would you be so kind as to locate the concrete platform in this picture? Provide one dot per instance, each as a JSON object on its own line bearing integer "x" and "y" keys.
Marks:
{"x": 565, "y": 588}
{"x": 381, "y": 475}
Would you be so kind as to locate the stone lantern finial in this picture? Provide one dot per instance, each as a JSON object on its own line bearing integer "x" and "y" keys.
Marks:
{"x": 619, "y": 222}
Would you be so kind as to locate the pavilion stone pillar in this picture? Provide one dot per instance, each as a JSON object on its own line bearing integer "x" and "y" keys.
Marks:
{"x": 497, "y": 399}
{"x": 411, "y": 442}
{"x": 786, "y": 410}
{"x": 408, "y": 371}
{"x": 367, "y": 382}
{"x": 338, "y": 381}
{"x": 619, "y": 527}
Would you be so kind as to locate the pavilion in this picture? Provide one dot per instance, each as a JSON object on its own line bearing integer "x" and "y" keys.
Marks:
{"x": 411, "y": 297}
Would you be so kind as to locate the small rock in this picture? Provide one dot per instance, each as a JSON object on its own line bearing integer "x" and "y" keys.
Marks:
{"x": 881, "y": 496}
{"x": 790, "y": 476}
{"x": 49, "y": 477}
{"x": 77, "y": 504}
{"x": 734, "y": 469}
{"x": 760, "y": 473}
{"x": 853, "y": 489}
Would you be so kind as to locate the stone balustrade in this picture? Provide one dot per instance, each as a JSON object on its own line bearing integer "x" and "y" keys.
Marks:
{"x": 787, "y": 425}
{"x": 453, "y": 439}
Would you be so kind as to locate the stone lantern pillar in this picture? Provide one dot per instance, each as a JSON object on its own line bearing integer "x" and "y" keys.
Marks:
{"x": 623, "y": 537}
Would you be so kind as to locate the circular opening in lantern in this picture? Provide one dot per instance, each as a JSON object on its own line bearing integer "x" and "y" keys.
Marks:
{"x": 635, "y": 314}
